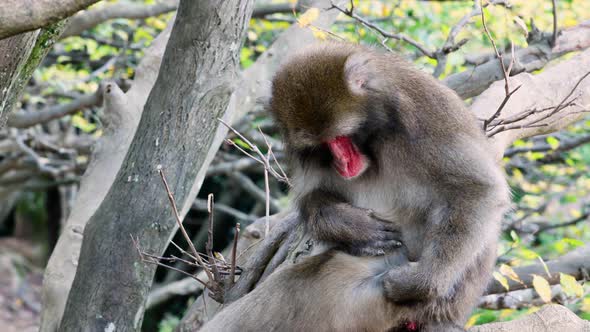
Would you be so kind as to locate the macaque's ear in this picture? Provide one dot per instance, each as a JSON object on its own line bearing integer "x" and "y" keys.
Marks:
{"x": 361, "y": 74}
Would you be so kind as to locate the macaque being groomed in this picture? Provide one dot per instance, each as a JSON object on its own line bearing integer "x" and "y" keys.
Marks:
{"x": 395, "y": 182}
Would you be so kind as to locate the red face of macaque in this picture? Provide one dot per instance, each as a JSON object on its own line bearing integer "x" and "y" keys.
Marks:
{"x": 349, "y": 162}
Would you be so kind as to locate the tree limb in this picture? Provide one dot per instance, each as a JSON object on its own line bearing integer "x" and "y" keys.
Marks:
{"x": 471, "y": 83}
{"x": 17, "y": 16}
{"x": 93, "y": 17}
{"x": 19, "y": 57}
{"x": 90, "y": 18}
{"x": 23, "y": 119}
{"x": 539, "y": 92}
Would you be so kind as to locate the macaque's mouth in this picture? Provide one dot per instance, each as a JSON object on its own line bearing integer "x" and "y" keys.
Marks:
{"x": 348, "y": 160}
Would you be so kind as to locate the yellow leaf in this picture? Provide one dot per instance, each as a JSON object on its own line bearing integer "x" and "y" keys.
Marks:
{"x": 575, "y": 213}
{"x": 219, "y": 256}
{"x": 509, "y": 272}
{"x": 319, "y": 34}
{"x": 501, "y": 279}
{"x": 570, "y": 286}
{"x": 586, "y": 305}
{"x": 520, "y": 23}
{"x": 542, "y": 288}
{"x": 308, "y": 17}
{"x": 472, "y": 320}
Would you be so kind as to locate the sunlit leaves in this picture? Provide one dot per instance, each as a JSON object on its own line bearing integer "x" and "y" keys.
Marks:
{"x": 501, "y": 279}
{"x": 553, "y": 142}
{"x": 81, "y": 123}
{"x": 509, "y": 272}
{"x": 541, "y": 286}
{"x": 570, "y": 286}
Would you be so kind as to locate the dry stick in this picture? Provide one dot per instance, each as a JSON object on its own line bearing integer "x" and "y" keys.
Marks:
{"x": 232, "y": 272}
{"x": 505, "y": 72}
{"x": 272, "y": 154}
{"x": 554, "y": 37}
{"x": 265, "y": 161}
{"x": 179, "y": 222}
{"x": 564, "y": 103}
{"x": 209, "y": 244}
{"x": 155, "y": 261}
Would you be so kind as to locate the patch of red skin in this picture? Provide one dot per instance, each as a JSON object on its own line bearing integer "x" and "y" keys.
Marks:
{"x": 411, "y": 326}
{"x": 348, "y": 160}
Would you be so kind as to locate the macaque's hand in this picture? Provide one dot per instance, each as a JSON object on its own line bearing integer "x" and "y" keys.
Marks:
{"x": 405, "y": 284}
{"x": 359, "y": 231}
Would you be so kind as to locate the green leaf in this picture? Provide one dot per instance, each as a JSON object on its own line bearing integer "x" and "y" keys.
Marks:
{"x": 80, "y": 122}
{"x": 553, "y": 142}
{"x": 242, "y": 144}
{"x": 570, "y": 286}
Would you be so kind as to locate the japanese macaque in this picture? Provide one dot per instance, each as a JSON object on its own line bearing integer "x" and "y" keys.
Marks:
{"x": 393, "y": 178}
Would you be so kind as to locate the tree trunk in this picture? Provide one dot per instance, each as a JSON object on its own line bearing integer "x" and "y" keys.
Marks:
{"x": 176, "y": 129}
{"x": 19, "y": 57}
{"x": 121, "y": 117}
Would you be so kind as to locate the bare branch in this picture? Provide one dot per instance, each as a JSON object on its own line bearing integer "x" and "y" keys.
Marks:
{"x": 24, "y": 119}
{"x": 564, "y": 145}
{"x": 18, "y": 16}
{"x": 554, "y": 36}
{"x": 471, "y": 83}
{"x": 91, "y": 18}
{"x": 397, "y": 36}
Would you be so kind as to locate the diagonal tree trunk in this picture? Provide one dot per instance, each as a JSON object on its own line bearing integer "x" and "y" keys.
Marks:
{"x": 122, "y": 113}
{"x": 175, "y": 132}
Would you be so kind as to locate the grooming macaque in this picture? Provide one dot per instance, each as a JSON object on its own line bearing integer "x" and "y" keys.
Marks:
{"x": 380, "y": 153}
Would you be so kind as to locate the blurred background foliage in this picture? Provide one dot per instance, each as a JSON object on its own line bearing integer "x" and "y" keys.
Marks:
{"x": 550, "y": 187}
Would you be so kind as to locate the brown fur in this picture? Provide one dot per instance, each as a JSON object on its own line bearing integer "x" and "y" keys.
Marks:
{"x": 431, "y": 183}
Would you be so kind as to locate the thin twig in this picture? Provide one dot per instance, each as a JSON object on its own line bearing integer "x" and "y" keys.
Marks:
{"x": 505, "y": 71}
{"x": 554, "y": 37}
{"x": 233, "y": 255}
{"x": 398, "y": 36}
{"x": 209, "y": 244}
{"x": 142, "y": 255}
{"x": 179, "y": 222}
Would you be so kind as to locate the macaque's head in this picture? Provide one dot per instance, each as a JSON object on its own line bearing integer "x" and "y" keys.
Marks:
{"x": 329, "y": 105}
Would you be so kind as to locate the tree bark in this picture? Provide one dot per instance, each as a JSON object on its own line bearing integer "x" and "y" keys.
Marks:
{"x": 19, "y": 57}
{"x": 17, "y": 16}
{"x": 550, "y": 318}
{"x": 175, "y": 132}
